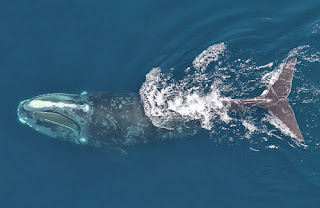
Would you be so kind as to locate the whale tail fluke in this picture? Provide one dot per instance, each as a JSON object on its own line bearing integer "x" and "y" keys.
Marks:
{"x": 280, "y": 88}
{"x": 283, "y": 111}
{"x": 277, "y": 92}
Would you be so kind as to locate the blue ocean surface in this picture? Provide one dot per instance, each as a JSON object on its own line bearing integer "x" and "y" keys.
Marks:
{"x": 110, "y": 46}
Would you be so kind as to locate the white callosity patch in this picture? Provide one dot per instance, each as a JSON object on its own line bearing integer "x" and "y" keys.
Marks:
{"x": 22, "y": 120}
{"x": 86, "y": 108}
{"x": 38, "y": 104}
{"x": 82, "y": 140}
{"x": 41, "y": 104}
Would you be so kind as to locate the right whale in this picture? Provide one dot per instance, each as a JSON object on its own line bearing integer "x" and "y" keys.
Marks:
{"x": 113, "y": 119}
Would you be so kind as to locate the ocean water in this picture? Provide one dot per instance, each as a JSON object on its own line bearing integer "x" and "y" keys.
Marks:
{"x": 201, "y": 50}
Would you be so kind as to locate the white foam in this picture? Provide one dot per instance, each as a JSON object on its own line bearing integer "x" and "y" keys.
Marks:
{"x": 279, "y": 125}
{"x": 272, "y": 147}
{"x": 313, "y": 57}
{"x": 271, "y": 77}
{"x": 253, "y": 149}
{"x": 265, "y": 66}
{"x": 202, "y": 61}
{"x": 305, "y": 53}
{"x": 249, "y": 126}
{"x": 315, "y": 28}
{"x": 200, "y": 95}
{"x": 167, "y": 101}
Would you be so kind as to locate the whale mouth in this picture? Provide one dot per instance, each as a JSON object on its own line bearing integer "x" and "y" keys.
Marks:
{"x": 47, "y": 121}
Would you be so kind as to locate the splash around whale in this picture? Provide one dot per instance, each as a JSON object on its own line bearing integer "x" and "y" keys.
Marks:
{"x": 114, "y": 119}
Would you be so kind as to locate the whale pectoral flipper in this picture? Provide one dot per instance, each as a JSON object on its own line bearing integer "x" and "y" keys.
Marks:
{"x": 283, "y": 111}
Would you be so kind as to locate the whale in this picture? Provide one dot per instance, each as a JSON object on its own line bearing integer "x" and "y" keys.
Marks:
{"x": 119, "y": 119}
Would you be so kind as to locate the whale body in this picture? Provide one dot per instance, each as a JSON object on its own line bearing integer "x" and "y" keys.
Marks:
{"x": 118, "y": 119}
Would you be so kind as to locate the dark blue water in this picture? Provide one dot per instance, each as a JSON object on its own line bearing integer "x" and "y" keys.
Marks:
{"x": 71, "y": 46}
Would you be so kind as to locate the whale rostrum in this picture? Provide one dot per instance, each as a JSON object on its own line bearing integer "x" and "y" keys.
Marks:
{"x": 117, "y": 119}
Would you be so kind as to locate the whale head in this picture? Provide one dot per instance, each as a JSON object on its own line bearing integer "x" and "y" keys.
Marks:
{"x": 57, "y": 115}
